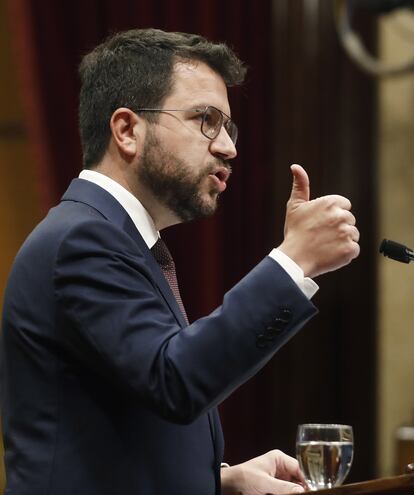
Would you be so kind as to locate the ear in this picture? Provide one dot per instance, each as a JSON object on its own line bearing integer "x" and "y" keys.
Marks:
{"x": 127, "y": 131}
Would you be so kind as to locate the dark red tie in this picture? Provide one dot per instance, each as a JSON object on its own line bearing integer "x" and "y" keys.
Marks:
{"x": 163, "y": 256}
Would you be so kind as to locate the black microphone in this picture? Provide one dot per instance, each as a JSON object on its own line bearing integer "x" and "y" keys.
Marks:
{"x": 396, "y": 251}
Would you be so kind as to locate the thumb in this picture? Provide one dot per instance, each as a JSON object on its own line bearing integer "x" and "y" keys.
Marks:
{"x": 300, "y": 187}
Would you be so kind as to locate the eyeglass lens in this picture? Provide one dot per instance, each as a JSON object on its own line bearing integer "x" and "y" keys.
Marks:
{"x": 212, "y": 122}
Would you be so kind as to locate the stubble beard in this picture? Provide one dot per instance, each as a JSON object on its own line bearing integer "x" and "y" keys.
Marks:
{"x": 174, "y": 183}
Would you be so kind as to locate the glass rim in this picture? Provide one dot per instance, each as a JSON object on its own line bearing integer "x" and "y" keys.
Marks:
{"x": 324, "y": 425}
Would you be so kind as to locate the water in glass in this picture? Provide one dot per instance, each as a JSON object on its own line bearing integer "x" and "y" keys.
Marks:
{"x": 325, "y": 453}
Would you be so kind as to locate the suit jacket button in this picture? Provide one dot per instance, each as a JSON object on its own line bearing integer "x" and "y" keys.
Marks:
{"x": 276, "y": 326}
{"x": 285, "y": 315}
{"x": 272, "y": 332}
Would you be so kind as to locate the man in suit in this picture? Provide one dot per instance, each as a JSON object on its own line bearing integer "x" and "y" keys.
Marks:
{"x": 106, "y": 389}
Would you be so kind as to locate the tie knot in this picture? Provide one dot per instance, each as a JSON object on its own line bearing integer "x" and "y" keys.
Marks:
{"x": 162, "y": 254}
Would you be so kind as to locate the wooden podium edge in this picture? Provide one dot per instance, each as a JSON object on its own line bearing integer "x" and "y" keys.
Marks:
{"x": 395, "y": 484}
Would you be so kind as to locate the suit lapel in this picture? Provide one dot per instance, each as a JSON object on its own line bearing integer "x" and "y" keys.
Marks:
{"x": 98, "y": 198}
{"x": 91, "y": 194}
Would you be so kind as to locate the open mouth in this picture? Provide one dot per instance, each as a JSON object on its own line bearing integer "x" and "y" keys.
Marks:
{"x": 220, "y": 177}
{"x": 222, "y": 174}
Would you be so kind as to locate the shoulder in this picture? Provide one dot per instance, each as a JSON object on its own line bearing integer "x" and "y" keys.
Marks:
{"x": 98, "y": 241}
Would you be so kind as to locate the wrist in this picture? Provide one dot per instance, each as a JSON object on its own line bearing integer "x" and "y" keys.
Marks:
{"x": 300, "y": 260}
{"x": 230, "y": 480}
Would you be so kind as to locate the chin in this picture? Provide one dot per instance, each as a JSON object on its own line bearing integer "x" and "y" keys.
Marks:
{"x": 211, "y": 202}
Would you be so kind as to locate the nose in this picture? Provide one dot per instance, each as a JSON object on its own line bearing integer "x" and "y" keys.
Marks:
{"x": 222, "y": 146}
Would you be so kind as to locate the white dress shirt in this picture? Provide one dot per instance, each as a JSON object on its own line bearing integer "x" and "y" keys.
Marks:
{"x": 145, "y": 226}
{"x": 139, "y": 215}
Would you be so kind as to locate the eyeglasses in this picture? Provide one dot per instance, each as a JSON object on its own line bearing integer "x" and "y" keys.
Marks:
{"x": 212, "y": 120}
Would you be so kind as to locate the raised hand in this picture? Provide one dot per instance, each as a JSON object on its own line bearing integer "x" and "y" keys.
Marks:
{"x": 320, "y": 234}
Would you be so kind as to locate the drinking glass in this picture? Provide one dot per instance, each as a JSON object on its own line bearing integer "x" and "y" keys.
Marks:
{"x": 325, "y": 453}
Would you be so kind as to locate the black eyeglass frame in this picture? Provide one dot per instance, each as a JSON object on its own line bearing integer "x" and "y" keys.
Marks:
{"x": 225, "y": 121}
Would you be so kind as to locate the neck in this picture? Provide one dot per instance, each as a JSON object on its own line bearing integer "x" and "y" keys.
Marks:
{"x": 161, "y": 216}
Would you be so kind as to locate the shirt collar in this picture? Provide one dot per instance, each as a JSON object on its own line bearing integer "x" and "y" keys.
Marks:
{"x": 139, "y": 215}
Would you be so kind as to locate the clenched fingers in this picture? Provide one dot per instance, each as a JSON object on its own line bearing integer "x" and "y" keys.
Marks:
{"x": 354, "y": 233}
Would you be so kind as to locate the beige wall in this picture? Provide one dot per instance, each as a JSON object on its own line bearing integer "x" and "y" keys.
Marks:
{"x": 396, "y": 202}
{"x": 18, "y": 205}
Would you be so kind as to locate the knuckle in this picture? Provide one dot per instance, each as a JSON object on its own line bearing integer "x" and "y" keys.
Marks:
{"x": 344, "y": 230}
{"x": 327, "y": 201}
{"x": 339, "y": 201}
{"x": 350, "y": 250}
{"x": 344, "y": 216}
{"x": 356, "y": 234}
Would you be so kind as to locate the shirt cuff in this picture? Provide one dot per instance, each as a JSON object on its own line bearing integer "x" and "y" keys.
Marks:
{"x": 305, "y": 284}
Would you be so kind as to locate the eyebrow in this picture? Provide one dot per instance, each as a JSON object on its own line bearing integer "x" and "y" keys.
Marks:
{"x": 205, "y": 105}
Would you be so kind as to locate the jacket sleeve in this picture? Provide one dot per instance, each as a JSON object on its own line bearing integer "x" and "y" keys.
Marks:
{"x": 111, "y": 314}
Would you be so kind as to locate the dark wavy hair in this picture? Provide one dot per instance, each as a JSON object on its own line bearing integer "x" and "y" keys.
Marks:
{"x": 134, "y": 69}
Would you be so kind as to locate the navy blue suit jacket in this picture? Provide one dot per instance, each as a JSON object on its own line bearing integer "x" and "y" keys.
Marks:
{"x": 104, "y": 389}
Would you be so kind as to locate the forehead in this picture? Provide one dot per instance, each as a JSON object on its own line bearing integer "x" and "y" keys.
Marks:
{"x": 195, "y": 83}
